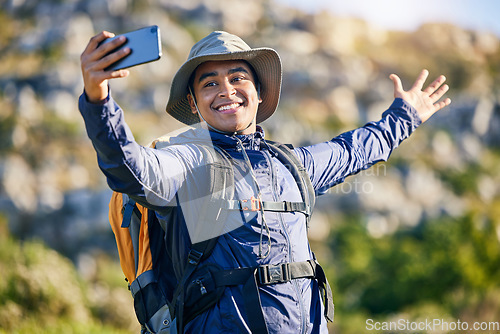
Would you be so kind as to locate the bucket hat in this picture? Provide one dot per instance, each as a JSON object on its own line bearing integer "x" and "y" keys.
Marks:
{"x": 220, "y": 45}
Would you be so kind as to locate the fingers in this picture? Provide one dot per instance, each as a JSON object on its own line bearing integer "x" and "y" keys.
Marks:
{"x": 119, "y": 74}
{"x": 419, "y": 83}
{"x": 105, "y": 51}
{"x": 97, "y": 49}
{"x": 442, "y": 104}
{"x": 433, "y": 87}
{"x": 437, "y": 94}
{"x": 398, "y": 86}
{"x": 425, "y": 101}
{"x": 94, "y": 72}
{"x": 96, "y": 57}
{"x": 94, "y": 43}
{"x": 435, "y": 90}
{"x": 99, "y": 38}
{"x": 111, "y": 58}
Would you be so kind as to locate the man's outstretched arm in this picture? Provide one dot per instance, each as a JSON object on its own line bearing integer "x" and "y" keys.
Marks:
{"x": 329, "y": 163}
{"x": 148, "y": 175}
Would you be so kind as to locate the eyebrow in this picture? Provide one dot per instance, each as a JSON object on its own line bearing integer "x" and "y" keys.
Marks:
{"x": 213, "y": 74}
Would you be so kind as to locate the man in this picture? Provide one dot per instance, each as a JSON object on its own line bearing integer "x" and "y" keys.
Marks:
{"x": 231, "y": 88}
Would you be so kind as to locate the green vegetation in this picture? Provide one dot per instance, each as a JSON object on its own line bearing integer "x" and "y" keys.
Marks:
{"x": 445, "y": 268}
{"x": 42, "y": 292}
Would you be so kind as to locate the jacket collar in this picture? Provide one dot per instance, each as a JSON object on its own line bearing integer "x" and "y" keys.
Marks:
{"x": 250, "y": 142}
{"x": 200, "y": 134}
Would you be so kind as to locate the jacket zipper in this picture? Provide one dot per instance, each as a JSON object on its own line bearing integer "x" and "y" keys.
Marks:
{"x": 287, "y": 237}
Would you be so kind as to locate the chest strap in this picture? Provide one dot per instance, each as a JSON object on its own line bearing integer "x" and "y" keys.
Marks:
{"x": 253, "y": 204}
{"x": 267, "y": 274}
{"x": 253, "y": 277}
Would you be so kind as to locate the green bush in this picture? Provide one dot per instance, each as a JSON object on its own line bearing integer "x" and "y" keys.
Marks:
{"x": 42, "y": 292}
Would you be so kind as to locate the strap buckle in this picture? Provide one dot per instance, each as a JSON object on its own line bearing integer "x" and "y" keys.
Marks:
{"x": 252, "y": 204}
{"x": 194, "y": 257}
{"x": 272, "y": 274}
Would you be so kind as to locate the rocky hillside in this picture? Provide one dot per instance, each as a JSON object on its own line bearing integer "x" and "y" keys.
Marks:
{"x": 335, "y": 78}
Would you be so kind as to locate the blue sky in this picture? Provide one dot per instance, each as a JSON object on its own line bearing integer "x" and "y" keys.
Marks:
{"x": 482, "y": 15}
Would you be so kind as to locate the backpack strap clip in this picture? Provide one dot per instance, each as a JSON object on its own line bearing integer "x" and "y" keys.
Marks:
{"x": 128, "y": 210}
{"x": 194, "y": 257}
{"x": 272, "y": 274}
{"x": 142, "y": 281}
{"x": 252, "y": 204}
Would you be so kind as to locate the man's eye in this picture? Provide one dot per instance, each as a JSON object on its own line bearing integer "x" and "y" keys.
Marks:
{"x": 210, "y": 84}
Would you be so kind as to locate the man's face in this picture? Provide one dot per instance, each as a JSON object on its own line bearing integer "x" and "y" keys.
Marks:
{"x": 226, "y": 95}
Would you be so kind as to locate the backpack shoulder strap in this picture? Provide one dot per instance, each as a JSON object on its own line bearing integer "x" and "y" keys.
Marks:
{"x": 221, "y": 184}
{"x": 286, "y": 155}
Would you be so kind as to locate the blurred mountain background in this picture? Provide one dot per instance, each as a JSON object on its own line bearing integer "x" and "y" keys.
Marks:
{"x": 415, "y": 238}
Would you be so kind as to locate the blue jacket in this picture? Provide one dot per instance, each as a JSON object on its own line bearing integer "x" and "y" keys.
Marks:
{"x": 154, "y": 176}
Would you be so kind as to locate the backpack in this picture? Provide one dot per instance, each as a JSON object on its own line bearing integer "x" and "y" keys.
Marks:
{"x": 165, "y": 304}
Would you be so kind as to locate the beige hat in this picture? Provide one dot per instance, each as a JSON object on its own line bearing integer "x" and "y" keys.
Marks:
{"x": 220, "y": 45}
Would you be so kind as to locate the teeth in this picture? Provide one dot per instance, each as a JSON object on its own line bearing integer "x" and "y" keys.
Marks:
{"x": 229, "y": 106}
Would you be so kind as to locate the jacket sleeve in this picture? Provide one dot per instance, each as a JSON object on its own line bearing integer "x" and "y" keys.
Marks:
{"x": 329, "y": 163}
{"x": 151, "y": 176}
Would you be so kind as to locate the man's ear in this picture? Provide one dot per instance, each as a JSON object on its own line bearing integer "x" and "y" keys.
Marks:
{"x": 258, "y": 92}
{"x": 192, "y": 104}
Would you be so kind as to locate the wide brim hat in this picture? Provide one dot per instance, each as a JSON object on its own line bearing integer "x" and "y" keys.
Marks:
{"x": 217, "y": 46}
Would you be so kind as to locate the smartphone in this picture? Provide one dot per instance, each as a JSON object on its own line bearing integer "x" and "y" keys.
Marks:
{"x": 144, "y": 44}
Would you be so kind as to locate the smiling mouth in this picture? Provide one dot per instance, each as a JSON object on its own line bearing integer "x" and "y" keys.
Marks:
{"x": 228, "y": 107}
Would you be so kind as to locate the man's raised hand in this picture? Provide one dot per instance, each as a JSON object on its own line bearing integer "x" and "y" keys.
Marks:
{"x": 95, "y": 59}
{"x": 425, "y": 101}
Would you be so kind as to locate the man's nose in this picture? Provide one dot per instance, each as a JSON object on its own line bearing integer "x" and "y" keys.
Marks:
{"x": 226, "y": 89}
